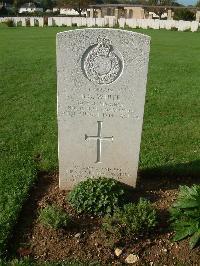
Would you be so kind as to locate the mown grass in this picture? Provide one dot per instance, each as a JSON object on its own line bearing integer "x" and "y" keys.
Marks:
{"x": 28, "y": 129}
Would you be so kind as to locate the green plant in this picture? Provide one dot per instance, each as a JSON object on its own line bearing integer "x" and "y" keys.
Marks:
{"x": 97, "y": 196}
{"x": 174, "y": 29}
{"x": 9, "y": 23}
{"x": 185, "y": 215}
{"x": 52, "y": 216}
{"x": 184, "y": 14}
{"x": 133, "y": 219}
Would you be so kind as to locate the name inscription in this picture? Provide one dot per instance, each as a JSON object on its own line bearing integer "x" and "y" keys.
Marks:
{"x": 98, "y": 105}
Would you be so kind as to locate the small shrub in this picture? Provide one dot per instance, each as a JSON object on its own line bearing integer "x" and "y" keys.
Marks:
{"x": 54, "y": 217}
{"x": 185, "y": 215}
{"x": 133, "y": 219}
{"x": 174, "y": 29}
{"x": 9, "y": 23}
{"x": 97, "y": 196}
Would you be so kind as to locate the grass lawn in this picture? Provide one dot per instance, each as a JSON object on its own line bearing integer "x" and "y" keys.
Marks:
{"x": 28, "y": 128}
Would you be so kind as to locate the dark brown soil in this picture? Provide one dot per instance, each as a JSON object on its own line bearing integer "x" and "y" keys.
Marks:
{"x": 44, "y": 244}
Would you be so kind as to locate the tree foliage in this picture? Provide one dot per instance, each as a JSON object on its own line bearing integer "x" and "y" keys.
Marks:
{"x": 77, "y": 5}
{"x": 184, "y": 14}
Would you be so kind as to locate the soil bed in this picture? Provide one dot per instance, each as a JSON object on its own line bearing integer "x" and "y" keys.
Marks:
{"x": 44, "y": 244}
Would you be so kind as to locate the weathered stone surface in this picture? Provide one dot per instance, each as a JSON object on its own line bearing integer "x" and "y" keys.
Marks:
{"x": 102, "y": 76}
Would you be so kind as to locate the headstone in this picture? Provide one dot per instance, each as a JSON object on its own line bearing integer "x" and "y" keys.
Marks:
{"x": 181, "y": 25}
{"x": 91, "y": 22}
{"x": 83, "y": 22}
{"x": 68, "y": 21}
{"x": 156, "y": 25}
{"x": 32, "y": 21}
{"x": 150, "y": 23}
{"x": 102, "y": 75}
{"x": 112, "y": 22}
{"x": 106, "y": 20}
{"x": 23, "y": 22}
{"x": 168, "y": 24}
{"x": 100, "y": 22}
{"x": 77, "y": 21}
{"x": 162, "y": 24}
{"x": 41, "y": 22}
{"x": 143, "y": 23}
{"x": 54, "y": 21}
{"x": 132, "y": 23}
{"x": 50, "y": 21}
{"x": 122, "y": 22}
{"x": 194, "y": 26}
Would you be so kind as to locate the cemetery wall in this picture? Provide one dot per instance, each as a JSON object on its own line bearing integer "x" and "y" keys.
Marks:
{"x": 107, "y": 21}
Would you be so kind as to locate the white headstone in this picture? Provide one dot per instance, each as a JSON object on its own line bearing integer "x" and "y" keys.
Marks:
{"x": 162, "y": 24}
{"x": 122, "y": 22}
{"x": 111, "y": 22}
{"x": 32, "y": 21}
{"x": 100, "y": 22}
{"x": 102, "y": 75}
{"x": 23, "y": 22}
{"x": 83, "y": 22}
{"x": 194, "y": 26}
{"x": 181, "y": 25}
{"x": 143, "y": 24}
{"x": 150, "y": 23}
{"x": 68, "y": 21}
{"x": 132, "y": 23}
{"x": 77, "y": 21}
{"x": 156, "y": 25}
{"x": 91, "y": 22}
{"x": 41, "y": 22}
{"x": 168, "y": 24}
{"x": 50, "y": 21}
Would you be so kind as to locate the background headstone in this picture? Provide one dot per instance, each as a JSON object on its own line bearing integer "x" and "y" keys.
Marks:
{"x": 194, "y": 26}
{"x": 102, "y": 75}
{"x": 32, "y": 21}
{"x": 122, "y": 22}
{"x": 50, "y": 21}
{"x": 41, "y": 22}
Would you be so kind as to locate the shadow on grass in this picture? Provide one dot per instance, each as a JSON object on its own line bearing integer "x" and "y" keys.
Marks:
{"x": 169, "y": 176}
{"x": 29, "y": 211}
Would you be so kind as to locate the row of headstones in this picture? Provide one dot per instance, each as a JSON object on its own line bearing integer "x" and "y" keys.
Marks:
{"x": 132, "y": 23}
{"x": 106, "y": 21}
{"x": 179, "y": 25}
{"x": 25, "y": 21}
{"x": 82, "y": 21}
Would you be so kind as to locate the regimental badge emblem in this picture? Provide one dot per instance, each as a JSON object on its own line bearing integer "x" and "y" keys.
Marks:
{"x": 101, "y": 63}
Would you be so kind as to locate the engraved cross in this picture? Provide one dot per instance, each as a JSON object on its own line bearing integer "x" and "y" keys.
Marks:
{"x": 99, "y": 139}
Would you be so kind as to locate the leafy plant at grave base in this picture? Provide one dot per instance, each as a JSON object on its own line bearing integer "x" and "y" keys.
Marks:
{"x": 185, "y": 215}
{"x": 10, "y": 23}
{"x": 97, "y": 196}
{"x": 54, "y": 217}
{"x": 29, "y": 262}
{"x": 132, "y": 220}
